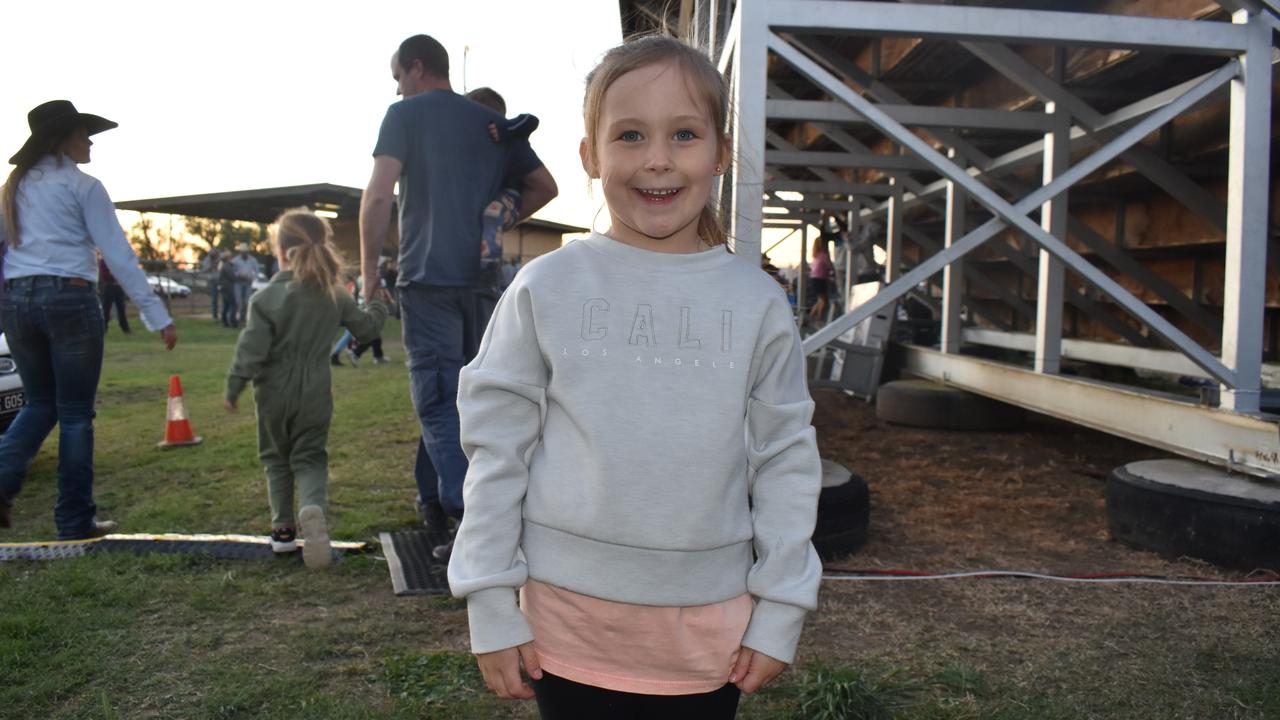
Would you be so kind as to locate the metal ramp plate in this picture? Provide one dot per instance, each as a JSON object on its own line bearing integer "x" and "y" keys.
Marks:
{"x": 413, "y": 570}
{"x": 222, "y": 547}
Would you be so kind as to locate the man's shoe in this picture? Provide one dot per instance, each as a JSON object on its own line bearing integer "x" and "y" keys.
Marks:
{"x": 335, "y": 361}
{"x": 284, "y": 540}
{"x": 380, "y": 360}
{"x": 99, "y": 528}
{"x": 5, "y": 508}
{"x": 433, "y": 517}
{"x": 317, "y": 553}
{"x": 442, "y": 552}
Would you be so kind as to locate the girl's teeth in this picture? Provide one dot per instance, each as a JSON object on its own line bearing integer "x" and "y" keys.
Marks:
{"x": 659, "y": 193}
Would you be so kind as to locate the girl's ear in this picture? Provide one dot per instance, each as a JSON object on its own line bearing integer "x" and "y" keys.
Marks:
{"x": 584, "y": 152}
{"x": 725, "y": 153}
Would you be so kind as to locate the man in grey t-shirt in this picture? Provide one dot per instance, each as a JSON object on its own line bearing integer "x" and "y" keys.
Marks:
{"x": 436, "y": 144}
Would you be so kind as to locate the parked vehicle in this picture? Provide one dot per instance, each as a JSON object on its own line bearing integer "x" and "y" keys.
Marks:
{"x": 12, "y": 396}
{"x": 168, "y": 287}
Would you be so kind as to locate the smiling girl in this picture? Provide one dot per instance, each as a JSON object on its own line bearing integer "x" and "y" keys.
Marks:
{"x": 643, "y": 469}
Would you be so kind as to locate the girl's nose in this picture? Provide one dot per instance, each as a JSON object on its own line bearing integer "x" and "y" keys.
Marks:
{"x": 659, "y": 159}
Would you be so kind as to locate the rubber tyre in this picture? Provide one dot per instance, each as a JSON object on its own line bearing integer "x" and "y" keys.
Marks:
{"x": 844, "y": 512}
{"x": 926, "y": 404}
{"x": 1228, "y": 520}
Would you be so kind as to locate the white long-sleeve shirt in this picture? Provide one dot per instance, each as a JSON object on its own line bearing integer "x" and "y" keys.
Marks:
{"x": 63, "y": 215}
{"x": 623, "y": 407}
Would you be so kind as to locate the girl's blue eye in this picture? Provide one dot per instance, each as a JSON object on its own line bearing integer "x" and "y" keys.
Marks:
{"x": 685, "y": 135}
{"x": 629, "y": 136}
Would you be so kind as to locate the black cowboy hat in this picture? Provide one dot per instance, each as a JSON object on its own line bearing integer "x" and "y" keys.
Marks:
{"x": 52, "y": 121}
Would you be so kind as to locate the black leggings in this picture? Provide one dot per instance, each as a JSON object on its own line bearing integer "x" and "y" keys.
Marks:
{"x": 560, "y": 699}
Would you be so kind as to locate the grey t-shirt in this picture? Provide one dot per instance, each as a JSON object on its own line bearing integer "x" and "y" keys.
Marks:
{"x": 450, "y": 169}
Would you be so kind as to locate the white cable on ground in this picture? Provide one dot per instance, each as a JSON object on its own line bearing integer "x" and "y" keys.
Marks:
{"x": 1055, "y": 578}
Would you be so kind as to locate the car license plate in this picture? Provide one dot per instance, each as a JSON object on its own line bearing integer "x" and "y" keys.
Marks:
{"x": 11, "y": 402}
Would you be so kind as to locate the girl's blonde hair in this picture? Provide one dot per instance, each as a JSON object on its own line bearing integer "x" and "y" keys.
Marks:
{"x": 706, "y": 85}
{"x": 306, "y": 241}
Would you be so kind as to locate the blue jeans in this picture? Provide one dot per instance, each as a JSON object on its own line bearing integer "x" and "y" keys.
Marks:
{"x": 243, "y": 290}
{"x": 213, "y": 297}
{"x": 54, "y": 327}
{"x": 229, "y": 306}
{"x": 442, "y": 332}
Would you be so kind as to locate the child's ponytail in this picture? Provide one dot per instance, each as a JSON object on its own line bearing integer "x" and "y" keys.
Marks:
{"x": 305, "y": 239}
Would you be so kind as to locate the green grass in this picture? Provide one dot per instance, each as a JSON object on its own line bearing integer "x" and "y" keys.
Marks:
{"x": 148, "y": 637}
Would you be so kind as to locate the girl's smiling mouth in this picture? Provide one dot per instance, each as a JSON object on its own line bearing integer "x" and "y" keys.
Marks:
{"x": 659, "y": 196}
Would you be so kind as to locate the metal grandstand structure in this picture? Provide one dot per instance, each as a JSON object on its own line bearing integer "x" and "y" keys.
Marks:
{"x": 976, "y": 205}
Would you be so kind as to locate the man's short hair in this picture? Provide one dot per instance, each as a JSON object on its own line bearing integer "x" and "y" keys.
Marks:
{"x": 426, "y": 50}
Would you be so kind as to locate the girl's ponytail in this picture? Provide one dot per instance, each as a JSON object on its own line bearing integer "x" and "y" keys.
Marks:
{"x": 305, "y": 239}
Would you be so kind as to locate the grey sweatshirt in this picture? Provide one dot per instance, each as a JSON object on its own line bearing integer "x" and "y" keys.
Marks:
{"x": 624, "y": 406}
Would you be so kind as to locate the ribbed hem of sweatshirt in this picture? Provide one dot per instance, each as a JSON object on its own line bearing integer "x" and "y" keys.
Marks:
{"x": 496, "y": 621}
{"x": 641, "y": 576}
{"x": 653, "y": 260}
{"x": 775, "y": 630}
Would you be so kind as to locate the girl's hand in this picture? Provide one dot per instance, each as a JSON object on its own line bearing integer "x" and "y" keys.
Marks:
{"x": 753, "y": 670}
{"x": 229, "y": 406}
{"x": 501, "y": 671}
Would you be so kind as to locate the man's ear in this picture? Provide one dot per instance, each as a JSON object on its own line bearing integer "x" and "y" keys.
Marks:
{"x": 584, "y": 152}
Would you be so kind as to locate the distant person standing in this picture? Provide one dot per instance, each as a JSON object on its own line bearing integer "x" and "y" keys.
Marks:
{"x": 247, "y": 270}
{"x": 112, "y": 296}
{"x": 227, "y": 289}
{"x": 209, "y": 268}
{"x": 437, "y": 145}
{"x": 55, "y": 216}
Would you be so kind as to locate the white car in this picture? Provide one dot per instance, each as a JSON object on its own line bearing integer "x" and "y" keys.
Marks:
{"x": 12, "y": 396}
{"x": 168, "y": 287}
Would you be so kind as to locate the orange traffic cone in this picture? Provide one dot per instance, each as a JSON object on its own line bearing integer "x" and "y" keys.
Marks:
{"x": 177, "y": 430}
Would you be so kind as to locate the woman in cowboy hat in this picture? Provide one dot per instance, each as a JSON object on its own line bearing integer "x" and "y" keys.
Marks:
{"x": 54, "y": 218}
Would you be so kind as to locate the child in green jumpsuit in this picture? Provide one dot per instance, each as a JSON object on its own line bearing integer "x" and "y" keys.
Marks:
{"x": 284, "y": 351}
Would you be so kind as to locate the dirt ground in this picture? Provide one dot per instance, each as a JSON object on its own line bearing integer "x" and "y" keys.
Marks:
{"x": 1032, "y": 499}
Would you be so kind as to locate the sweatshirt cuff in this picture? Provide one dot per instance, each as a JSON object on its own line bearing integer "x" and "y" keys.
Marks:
{"x": 235, "y": 386}
{"x": 496, "y": 620}
{"x": 775, "y": 630}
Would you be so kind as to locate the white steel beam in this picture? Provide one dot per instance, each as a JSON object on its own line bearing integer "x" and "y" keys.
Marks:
{"x": 912, "y": 115}
{"x": 728, "y": 50}
{"x": 1248, "y": 182}
{"x": 1104, "y": 353}
{"x": 1053, "y": 219}
{"x": 893, "y": 234}
{"x": 876, "y": 161}
{"x": 750, "y": 73}
{"x": 1242, "y": 442}
{"x": 1015, "y": 215}
{"x": 1027, "y": 27}
{"x": 828, "y": 186}
{"x": 953, "y": 274}
{"x": 812, "y": 204}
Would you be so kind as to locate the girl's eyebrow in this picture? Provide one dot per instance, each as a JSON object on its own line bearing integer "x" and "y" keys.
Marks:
{"x": 682, "y": 119}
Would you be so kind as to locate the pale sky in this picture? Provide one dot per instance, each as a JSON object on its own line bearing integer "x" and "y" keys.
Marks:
{"x": 237, "y": 95}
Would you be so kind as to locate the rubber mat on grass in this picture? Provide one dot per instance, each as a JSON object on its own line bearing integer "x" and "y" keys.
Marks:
{"x": 222, "y": 547}
{"x": 413, "y": 570}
